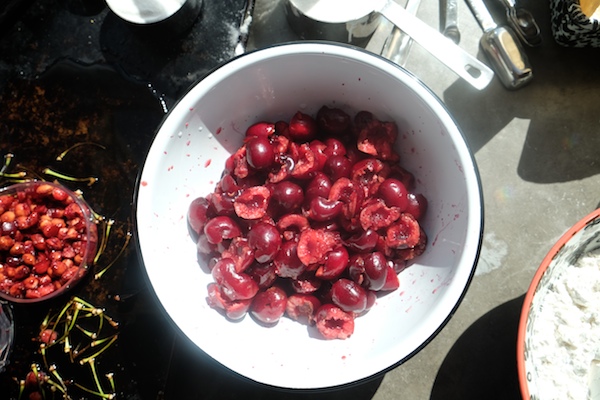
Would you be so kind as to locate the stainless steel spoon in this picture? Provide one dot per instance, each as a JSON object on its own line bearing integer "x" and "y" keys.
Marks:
{"x": 523, "y": 23}
{"x": 502, "y": 48}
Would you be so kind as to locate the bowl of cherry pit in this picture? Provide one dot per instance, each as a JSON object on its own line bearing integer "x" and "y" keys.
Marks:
{"x": 309, "y": 215}
{"x": 48, "y": 240}
{"x": 558, "y": 346}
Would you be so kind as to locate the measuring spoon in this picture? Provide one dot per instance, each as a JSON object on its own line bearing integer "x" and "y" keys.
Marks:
{"x": 523, "y": 23}
{"x": 333, "y": 13}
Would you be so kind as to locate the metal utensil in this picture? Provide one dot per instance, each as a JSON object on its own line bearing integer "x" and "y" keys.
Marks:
{"x": 523, "y": 23}
{"x": 502, "y": 48}
{"x": 449, "y": 18}
{"x": 398, "y": 45}
{"x": 347, "y": 12}
{"x": 389, "y": 41}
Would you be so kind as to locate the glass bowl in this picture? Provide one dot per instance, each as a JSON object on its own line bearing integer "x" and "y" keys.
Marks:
{"x": 48, "y": 240}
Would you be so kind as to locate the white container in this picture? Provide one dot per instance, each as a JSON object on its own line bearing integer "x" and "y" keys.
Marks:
{"x": 187, "y": 158}
{"x": 166, "y": 15}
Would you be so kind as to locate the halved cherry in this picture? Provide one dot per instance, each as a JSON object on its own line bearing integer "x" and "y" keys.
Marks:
{"x": 264, "y": 275}
{"x": 240, "y": 252}
{"x": 221, "y": 227}
{"x": 221, "y": 203}
{"x": 392, "y": 282}
{"x": 306, "y": 283}
{"x": 334, "y": 323}
{"x": 376, "y": 270}
{"x": 237, "y": 165}
{"x": 302, "y": 127}
{"x": 281, "y": 144}
{"x": 416, "y": 250}
{"x": 288, "y": 195}
{"x": 252, "y": 202}
{"x": 302, "y": 307}
{"x": 335, "y": 264}
{"x": 314, "y": 244}
{"x": 349, "y": 295}
{"x": 233, "y": 285}
{"x": 287, "y": 263}
{"x": 394, "y": 193}
{"x": 291, "y": 225}
{"x": 322, "y": 209}
{"x": 233, "y": 309}
{"x": 318, "y": 148}
{"x": 333, "y": 120}
{"x": 417, "y": 205}
{"x": 198, "y": 213}
{"x": 404, "y": 233}
{"x": 260, "y": 129}
{"x": 306, "y": 161}
{"x": 265, "y": 240}
{"x": 269, "y": 305}
{"x": 376, "y": 215}
{"x": 377, "y": 139}
{"x": 370, "y": 172}
{"x": 284, "y": 166}
{"x": 363, "y": 241}
{"x": 348, "y": 192}
{"x": 259, "y": 153}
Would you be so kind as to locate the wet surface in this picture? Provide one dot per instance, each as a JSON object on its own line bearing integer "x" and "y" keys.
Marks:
{"x": 74, "y": 78}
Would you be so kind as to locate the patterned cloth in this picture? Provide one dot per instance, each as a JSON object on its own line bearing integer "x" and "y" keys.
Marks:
{"x": 571, "y": 27}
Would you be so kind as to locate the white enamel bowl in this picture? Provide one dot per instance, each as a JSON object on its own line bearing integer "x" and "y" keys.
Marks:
{"x": 186, "y": 160}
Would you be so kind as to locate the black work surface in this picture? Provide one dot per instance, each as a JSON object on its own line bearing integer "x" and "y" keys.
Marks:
{"x": 74, "y": 76}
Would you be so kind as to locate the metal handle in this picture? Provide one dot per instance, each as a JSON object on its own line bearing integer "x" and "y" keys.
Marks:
{"x": 483, "y": 16}
{"x": 450, "y": 20}
{"x": 398, "y": 45}
{"x": 462, "y": 63}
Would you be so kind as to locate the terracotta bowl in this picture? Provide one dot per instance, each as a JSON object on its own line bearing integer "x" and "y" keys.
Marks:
{"x": 580, "y": 240}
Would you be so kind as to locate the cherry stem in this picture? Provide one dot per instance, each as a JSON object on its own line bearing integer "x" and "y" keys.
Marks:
{"x": 110, "y": 376}
{"x": 7, "y": 160}
{"x": 112, "y": 339}
{"x": 127, "y": 239}
{"x": 107, "y": 228}
{"x": 61, "y": 384}
{"x": 90, "y": 180}
{"x": 64, "y": 153}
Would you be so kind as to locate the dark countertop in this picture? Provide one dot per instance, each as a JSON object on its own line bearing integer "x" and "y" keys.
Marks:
{"x": 73, "y": 75}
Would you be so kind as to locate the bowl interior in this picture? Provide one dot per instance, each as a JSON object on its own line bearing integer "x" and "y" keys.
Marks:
{"x": 187, "y": 158}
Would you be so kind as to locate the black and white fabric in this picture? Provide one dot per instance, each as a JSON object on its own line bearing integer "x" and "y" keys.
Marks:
{"x": 571, "y": 27}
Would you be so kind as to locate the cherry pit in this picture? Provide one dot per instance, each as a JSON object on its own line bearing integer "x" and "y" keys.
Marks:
{"x": 311, "y": 219}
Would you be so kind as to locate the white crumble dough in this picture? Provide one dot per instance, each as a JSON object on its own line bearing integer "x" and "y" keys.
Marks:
{"x": 566, "y": 330}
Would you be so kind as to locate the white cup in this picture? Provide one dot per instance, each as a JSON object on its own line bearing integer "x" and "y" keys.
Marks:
{"x": 174, "y": 15}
